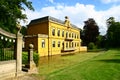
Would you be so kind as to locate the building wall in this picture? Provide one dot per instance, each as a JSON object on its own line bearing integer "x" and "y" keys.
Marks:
{"x": 31, "y": 40}
{"x": 56, "y": 38}
{"x": 43, "y": 49}
{"x": 74, "y": 42}
{"x": 40, "y": 28}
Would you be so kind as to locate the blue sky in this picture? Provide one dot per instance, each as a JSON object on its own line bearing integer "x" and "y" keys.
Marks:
{"x": 77, "y": 10}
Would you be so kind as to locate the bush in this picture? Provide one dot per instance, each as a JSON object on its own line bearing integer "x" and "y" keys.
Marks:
{"x": 25, "y": 58}
{"x": 91, "y": 45}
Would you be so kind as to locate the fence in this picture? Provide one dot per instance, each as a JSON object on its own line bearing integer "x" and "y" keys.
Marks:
{"x": 10, "y": 53}
{"x": 7, "y": 54}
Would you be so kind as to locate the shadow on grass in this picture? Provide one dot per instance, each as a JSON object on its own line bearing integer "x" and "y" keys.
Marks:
{"x": 110, "y": 60}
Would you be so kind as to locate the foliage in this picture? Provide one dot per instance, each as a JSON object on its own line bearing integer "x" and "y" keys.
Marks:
{"x": 101, "y": 40}
{"x": 25, "y": 58}
{"x": 11, "y": 13}
{"x": 90, "y": 32}
{"x": 24, "y": 30}
{"x": 6, "y": 44}
{"x": 113, "y": 33}
{"x": 91, "y": 45}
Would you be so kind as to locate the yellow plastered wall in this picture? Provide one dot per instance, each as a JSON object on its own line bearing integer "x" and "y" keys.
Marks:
{"x": 43, "y": 51}
{"x": 55, "y": 50}
{"x": 56, "y": 38}
{"x": 46, "y": 28}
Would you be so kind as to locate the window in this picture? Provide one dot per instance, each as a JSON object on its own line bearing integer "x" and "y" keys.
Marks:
{"x": 53, "y": 43}
{"x": 58, "y": 43}
{"x": 63, "y": 45}
{"x": 66, "y": 44}
{"x": 72, "y": 35}
{"x": 77, "y": 36}
{"x": 58, "y": 32}
{"x": 75, "y": 44}
{"x": 66, "y": 34}
{"x": 62, "y": 33}
{"x": 78, "y": 44}
{"x": 43, "y": 43}
{"x": 69, "y": 34}
{"x": 72, "y": 44}
{"x": 53, "y": 32}
{"x": 69, "y": 44}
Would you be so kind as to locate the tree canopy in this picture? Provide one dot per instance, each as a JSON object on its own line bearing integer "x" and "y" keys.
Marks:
{"x": 11, "y": 13}
{"x": 90, "y": 31}
{"x": 113, "y": 33}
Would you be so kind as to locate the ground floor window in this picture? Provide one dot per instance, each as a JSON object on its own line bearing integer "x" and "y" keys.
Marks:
{"x": 58, "y": 43}
{"x": 66, "y": 44}
{"x": 43, "y": 43}
{"x": 72, "y": 44}
{"x": 53, "y": 43}
{"x": 78, "y": 44}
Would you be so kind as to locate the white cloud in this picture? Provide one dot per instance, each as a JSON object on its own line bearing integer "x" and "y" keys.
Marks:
{"x": 110, "y": 1}
{"x": 77, "y": 14}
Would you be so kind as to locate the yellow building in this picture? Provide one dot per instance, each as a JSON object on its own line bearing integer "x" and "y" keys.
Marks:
{"x": 51, "y": 36}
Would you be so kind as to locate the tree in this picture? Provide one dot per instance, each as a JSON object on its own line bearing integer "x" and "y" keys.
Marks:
{"x": 113, "y": 33}
{"x": 11, "y": 13}
{"x": 90, "y": 31}
{"x": 24, "y": 30}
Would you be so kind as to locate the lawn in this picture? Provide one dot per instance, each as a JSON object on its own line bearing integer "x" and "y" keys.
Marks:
{"x": 83, "y": 66}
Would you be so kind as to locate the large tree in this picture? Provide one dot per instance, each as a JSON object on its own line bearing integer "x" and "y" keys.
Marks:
{"x": 90, "y": 31}
{"x": 11, "y": 13}
{"x": 113, "y": 33}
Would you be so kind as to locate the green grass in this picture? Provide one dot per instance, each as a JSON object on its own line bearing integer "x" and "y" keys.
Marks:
{"x": 85, "y": 66}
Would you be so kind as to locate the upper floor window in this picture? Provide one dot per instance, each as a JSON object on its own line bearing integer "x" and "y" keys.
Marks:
{"x": 58, "y": 43}
{"x": 69, "y": 34}
{"x": 43, "y": 43}
{"x": 62, "y": 33}
{"x": 58, "y": 32}
{"x": 77, "y": 36}
{"x": 66, "y": 34}
{"x": 53, "y": 32}
{"x": 53, "y": 43}
{"x": 72, "y": 35}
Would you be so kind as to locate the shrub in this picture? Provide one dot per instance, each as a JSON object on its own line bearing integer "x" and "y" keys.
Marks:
{"x": 91, "y": 45}
{"x": 25, "y": 58}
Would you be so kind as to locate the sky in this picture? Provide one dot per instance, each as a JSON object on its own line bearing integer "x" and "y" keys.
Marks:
{"x": 78, "y": 11}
